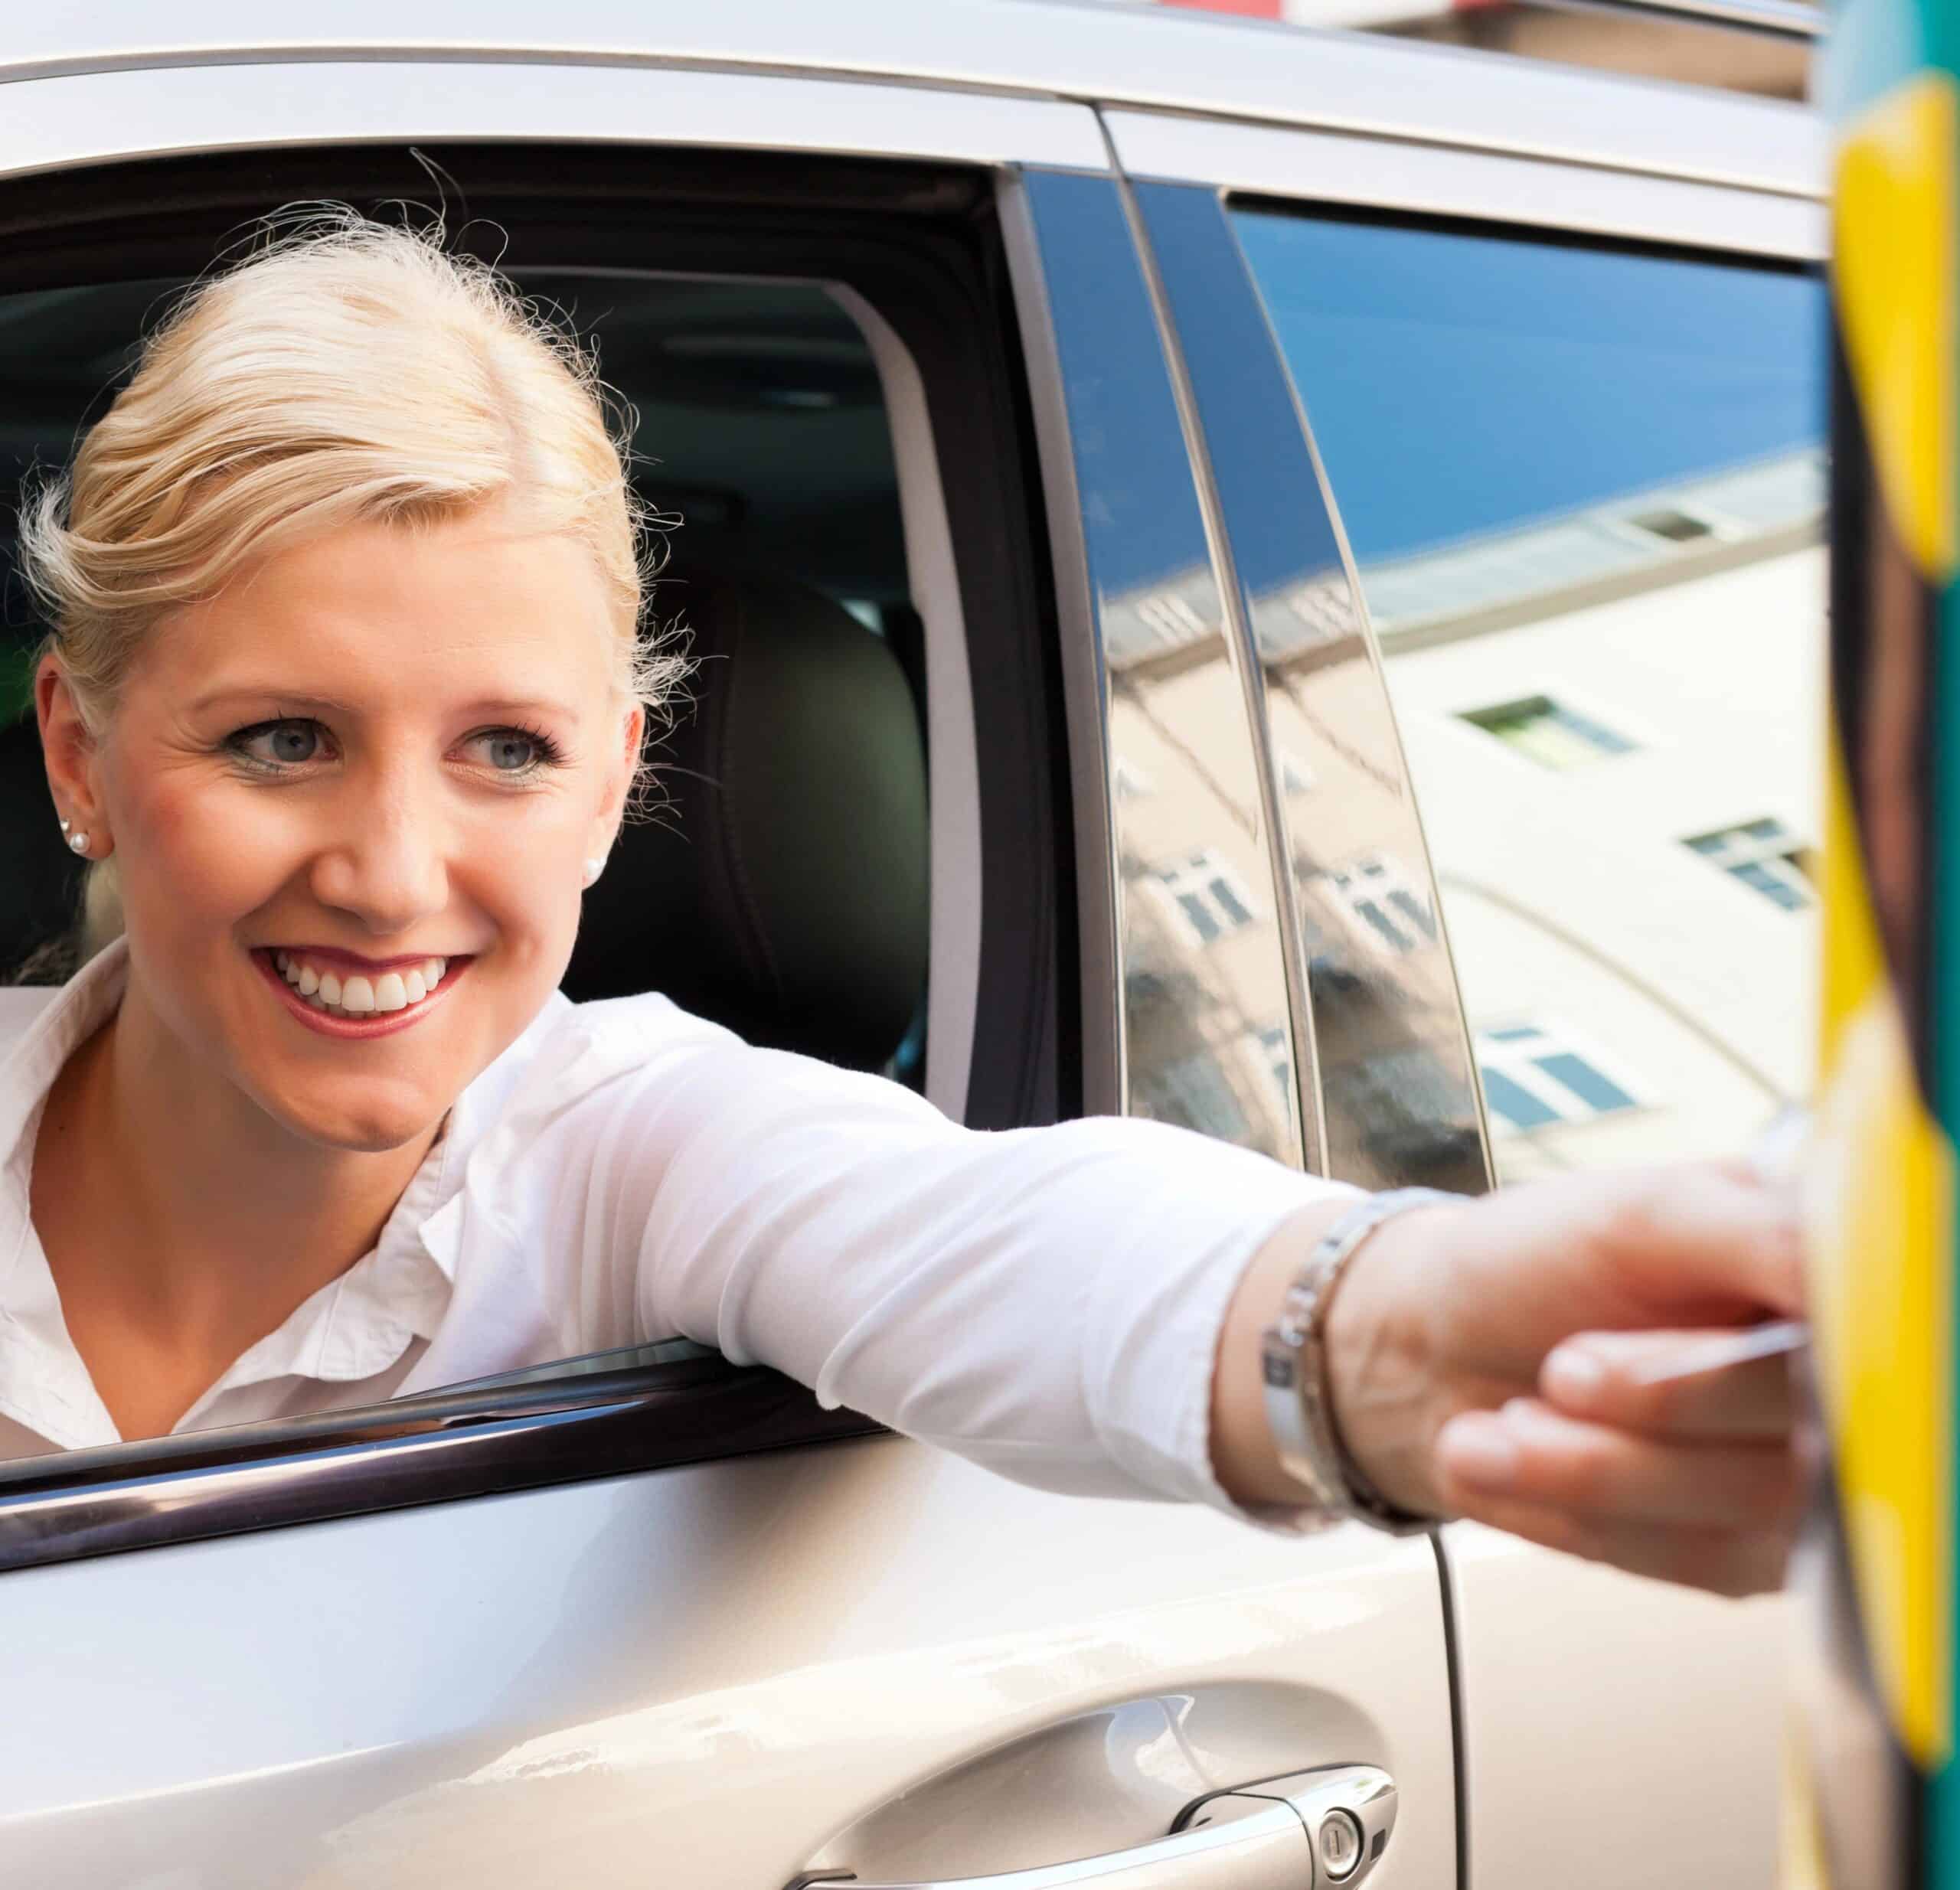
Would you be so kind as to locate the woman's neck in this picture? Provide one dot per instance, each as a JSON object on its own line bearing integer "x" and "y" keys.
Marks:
{"x": 182, "y": 1223}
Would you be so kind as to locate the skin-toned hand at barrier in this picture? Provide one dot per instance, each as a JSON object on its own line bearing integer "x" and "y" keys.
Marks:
{"x": 1503, "y": 1360}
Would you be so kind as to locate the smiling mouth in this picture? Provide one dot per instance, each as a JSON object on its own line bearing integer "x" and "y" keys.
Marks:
{"x": 334, "y": 990}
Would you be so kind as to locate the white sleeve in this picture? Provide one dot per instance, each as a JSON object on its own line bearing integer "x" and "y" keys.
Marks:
{"x": 1046, "y": 1302}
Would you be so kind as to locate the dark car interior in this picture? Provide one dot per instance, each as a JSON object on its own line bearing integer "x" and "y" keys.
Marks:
{"x": 779, "y": 879}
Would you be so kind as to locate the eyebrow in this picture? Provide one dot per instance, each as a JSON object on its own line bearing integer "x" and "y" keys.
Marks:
{"x": 294, "y": 702}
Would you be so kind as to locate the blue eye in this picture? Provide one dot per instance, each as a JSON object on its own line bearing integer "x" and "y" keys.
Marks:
{"x": 510, "y": 752}
{"x": 288, "y": 744}
{"x": 515, "y": 751}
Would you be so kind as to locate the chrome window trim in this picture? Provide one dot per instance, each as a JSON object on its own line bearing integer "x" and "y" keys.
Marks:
{"x": 1382, "y": 174}
{"x": 1372, "y": 642}
{"x": 1070, "y": 352}
{"x": 58, "y": 123}
{"x": 1153, "y": 58}
{"x": 1351, "y": 572}
{"x": 1234, "y": 280}
{"x": 440, "y": 1447}
{"x": 1104, "y": 1074}
{"x": 1251, "y": 684}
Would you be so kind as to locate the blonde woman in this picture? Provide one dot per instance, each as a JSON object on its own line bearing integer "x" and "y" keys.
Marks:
{"x": 343, "y": 703}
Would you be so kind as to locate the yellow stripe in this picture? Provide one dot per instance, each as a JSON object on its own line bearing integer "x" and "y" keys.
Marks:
{"x": 1880, "y": 1208}
{"x": 1893, "y": 274}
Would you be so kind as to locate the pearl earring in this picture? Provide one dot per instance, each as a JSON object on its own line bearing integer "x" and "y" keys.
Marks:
{"x": 593, "y": 868}
{"x": 79, "y": 841}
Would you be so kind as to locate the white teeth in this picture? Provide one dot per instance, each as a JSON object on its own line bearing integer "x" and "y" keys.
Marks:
{"x": 358, "y": 996}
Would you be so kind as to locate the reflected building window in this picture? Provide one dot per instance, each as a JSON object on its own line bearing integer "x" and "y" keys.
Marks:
{"x": 1552, "y": 733}
{"x": 1269, "y": 1051}
{"x": 1192, "y": 1093}
{"x": 1534, "y": 1075}
{"x": 1207, "y": 894}
{"x": 1384, "y": 903}
{"x": 1765, "y": 856}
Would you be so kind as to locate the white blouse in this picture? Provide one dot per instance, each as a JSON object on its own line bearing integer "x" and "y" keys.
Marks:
{"x": 1046, "y": 1302}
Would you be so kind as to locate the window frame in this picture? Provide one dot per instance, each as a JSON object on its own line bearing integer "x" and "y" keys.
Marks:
{"x": 916, "y": 244}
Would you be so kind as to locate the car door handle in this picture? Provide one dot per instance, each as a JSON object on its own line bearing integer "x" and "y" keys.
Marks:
{"x": 1323, "y": 1829}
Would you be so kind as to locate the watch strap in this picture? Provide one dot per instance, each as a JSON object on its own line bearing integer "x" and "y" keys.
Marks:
{"x": 1300, "y": 1406}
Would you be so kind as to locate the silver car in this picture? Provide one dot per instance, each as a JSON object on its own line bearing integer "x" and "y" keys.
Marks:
{"x": 1270, "y": 580}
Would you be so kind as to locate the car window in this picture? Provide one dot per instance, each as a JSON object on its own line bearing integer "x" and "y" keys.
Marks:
{"x": 822, "y": 406}
{"x": 760, "y": 443}
{"x": 1583, "y": 488}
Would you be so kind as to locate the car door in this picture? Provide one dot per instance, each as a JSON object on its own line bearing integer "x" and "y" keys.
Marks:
{"x": 1520, "y": 468}
{"x": 670, "y": 1622}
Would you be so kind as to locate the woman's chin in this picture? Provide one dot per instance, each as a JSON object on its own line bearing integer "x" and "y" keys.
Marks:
{"x": 379, "y": 1118}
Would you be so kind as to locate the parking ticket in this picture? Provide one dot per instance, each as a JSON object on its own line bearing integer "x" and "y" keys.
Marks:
{"x": 1718, "y": 1351}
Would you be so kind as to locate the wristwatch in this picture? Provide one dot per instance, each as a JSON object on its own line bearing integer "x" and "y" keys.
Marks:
{"x": 1299, "y": 1403}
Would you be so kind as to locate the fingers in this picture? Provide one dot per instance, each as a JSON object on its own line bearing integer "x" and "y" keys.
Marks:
{"x": 1717, "y": 1516}
{"x": 1703, "y": 1234}
{"x": 1528, "y": 1454}
{"x": 1641, "y": 1381}
{"x": 1734, "y": 1562}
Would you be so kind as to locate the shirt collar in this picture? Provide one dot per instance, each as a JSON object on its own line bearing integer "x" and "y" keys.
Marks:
{"x": 353, "y": 1328}
{"x": 29, "y": 1065}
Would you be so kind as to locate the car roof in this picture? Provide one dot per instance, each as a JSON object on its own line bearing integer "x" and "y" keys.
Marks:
{"x": 1149, "y": 57}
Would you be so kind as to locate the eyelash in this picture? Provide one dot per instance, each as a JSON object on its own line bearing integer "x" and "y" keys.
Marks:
{"x": 549, "y": 753}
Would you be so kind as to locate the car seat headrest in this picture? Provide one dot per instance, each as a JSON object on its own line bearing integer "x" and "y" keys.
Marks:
{"x": 781, "y": 883}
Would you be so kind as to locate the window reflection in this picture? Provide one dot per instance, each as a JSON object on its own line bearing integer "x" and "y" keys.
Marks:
{"x": 1205, "y": 1013}
{"x": 1395, "y": 1077}
{"x": 1201, "y": 948}
{"x": 1583, "y": 489}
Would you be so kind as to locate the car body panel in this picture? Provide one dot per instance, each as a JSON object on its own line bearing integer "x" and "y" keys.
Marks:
{"x": 694, "y": 1676}
{"x": 54, "y": 123}
{"x": 1137, "y": 57}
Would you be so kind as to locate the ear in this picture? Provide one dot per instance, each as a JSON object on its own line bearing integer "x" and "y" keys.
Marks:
{"x": 68, "y": 750}
{"x": 612, "y": 808}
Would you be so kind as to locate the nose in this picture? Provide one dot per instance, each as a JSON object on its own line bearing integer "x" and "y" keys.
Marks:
{"x": 386, "y": 867}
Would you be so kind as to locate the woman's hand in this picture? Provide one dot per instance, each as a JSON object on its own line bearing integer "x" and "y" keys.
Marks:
{"x": 1487, "y": 1360}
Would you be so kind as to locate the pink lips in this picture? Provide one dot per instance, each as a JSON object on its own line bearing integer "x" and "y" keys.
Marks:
{"x": 353, "y": 961}
{"x": 380, "y": 1024}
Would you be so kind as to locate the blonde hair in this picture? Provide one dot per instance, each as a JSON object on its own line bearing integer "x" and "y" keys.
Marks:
{"x": 346, "y": 371}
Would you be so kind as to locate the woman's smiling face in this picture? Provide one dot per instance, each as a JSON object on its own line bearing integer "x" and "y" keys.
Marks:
{"x": 390, "y": 745}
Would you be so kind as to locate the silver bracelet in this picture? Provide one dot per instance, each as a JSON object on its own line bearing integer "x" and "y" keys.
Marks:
{"x": 1299, "y": 1401}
